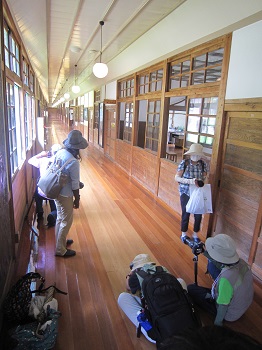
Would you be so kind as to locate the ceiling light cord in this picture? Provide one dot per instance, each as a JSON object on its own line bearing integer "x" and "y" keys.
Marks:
{"x": 100, "y": 69}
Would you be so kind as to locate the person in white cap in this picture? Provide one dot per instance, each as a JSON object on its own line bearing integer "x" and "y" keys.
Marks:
{"x": 130, "y": 302}
{"x": 232, "y": 291}
{"x": 41, "y": 161}
{"x": 191, "y": 171}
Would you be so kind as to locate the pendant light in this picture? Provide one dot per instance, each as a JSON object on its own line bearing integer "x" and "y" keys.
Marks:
{"x": 75, "y": 88}
{"x": 100, "y": 70}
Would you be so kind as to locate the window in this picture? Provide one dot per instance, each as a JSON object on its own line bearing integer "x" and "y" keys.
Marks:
{"x": 201, "y": 122}
{"x": 126, "y": 88}
{"x": 199, "y": 69}
{"x": 148, "y": 124}
{"x": 25, "y": 72}
{"x": 31, "y": 81}
{"x": 15, "y": 127}
{"x": 12, "y": 53}
{"x": 28, "y": 121}
{"x": 125, "y": 121}
{"x": 150, "y": 82}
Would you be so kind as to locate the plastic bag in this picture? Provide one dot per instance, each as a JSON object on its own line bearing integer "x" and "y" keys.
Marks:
{"x": 200, "y": 201}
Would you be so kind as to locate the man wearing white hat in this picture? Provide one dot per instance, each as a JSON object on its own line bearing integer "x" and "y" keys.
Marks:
{"x": 232, "y": 291}
{"x": 130, "y": 302}
{"x": 191, "y": 171}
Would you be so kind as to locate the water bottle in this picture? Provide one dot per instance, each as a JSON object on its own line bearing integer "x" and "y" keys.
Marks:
{"x": 143, "y": 321}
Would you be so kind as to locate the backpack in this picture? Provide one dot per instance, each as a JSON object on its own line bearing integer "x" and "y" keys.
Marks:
{"x": 167, "y": 305}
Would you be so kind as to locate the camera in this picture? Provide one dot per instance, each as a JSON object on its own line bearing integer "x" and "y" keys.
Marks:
{"x": 200, "y": 183}
{"x": 197, "y": 247}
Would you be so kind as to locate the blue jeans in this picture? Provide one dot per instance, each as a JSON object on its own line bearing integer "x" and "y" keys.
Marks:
{"x": 185, "y": 216}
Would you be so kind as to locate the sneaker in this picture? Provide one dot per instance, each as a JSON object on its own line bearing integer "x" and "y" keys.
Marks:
{"x": 69, "y": 242}
{"x": 184, "y": 238}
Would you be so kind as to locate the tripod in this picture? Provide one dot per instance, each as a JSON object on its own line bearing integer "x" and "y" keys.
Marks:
{"x": 195, "y": 259}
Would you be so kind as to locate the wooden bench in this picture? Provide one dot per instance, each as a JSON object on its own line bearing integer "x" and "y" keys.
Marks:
{"x": 171, "y": 155}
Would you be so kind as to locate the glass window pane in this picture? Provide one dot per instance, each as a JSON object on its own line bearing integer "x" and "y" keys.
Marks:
{"x": 159, "y": 85}
{"x": 206, "y": 141}
{"x": 199, "y": 62}
{"x": 175, "y": 83}
{"x": 208, "y": 126}
{"x": 184, "y": 80}
{"x": 192, "y": 138}
{"x": 176, "y": 69}
{"x": 215, "y": 57}
{"x": 213, "y": 74}
{"x": 158, "y": 106}
{"x": 195, "y": 105}
{"x": 154, "y": 145}
{"x": 193, "y": 123}
{"x": 210, "y": 105}
{"x": 198, "y": 77}
{"x": 186, "y": 66}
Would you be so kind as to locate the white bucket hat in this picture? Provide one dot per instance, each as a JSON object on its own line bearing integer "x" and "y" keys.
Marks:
{"x": 195, "y": 149}
{"x": 140, "y": 260}
{"x": 222, "y": 249}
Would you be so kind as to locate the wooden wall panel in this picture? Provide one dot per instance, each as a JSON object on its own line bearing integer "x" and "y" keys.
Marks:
{"x": 145, "y": 168}
{"x": 168, "y": 187}
{"x": 239, "y": 204}
{"x": 123, "y": 155}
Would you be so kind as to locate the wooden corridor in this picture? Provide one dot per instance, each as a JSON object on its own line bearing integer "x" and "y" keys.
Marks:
{"x": 116, "y": 220}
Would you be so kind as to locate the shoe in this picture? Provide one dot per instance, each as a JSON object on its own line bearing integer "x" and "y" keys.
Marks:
{"x": 196, "y": 240}
{"x": 69, "y": 242}
{"x": 184, "y": 239}
{"x": 69, "y": 253}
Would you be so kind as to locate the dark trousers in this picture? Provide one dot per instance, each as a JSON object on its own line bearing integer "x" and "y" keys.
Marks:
{"x": 201, "y": 296}
{"x": 39, "y": 202}
{"x": 185, "y": 216}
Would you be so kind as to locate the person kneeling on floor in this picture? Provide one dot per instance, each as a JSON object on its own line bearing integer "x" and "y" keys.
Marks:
{"x": 232, "y": 291}
{"x": 150, "y": 306}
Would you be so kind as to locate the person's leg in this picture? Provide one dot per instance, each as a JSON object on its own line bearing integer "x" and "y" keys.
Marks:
{"x": 201, "y": 296}
{"x": 52, "y": 205}
{"x": 185, "y": 216}
{"x": 64, "y": 220}
{"x": 38, "y": 204}
{"x": 197, "y": 223}
{"x": 131, "y": 305}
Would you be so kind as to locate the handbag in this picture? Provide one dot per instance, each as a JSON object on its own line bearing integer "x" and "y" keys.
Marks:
{"x": 17, "y": 302}
{"x": 54, "y": 179}
{"x": 200, "y": 201}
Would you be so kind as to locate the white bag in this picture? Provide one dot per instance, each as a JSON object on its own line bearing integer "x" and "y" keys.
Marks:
{"x": 200, "y": 201}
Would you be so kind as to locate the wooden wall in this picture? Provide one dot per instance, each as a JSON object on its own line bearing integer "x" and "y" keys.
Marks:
{"x": 239, "y": 204}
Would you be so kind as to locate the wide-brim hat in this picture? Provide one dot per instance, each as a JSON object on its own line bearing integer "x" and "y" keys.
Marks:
{"x": 75, "y": 140}
{"x": 222, "y": 249}
{"x": 140, "y": 260}
{"x": 195, "y": 149}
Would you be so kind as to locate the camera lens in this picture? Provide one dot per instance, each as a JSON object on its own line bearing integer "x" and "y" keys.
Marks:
{"x": 200, "y": 183}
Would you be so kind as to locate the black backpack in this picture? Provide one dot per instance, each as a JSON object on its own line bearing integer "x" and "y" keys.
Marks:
{"x": 167, "y": 305}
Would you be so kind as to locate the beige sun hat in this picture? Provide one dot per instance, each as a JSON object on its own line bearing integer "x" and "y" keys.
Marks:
{"x": 195, "y": 149}
{"x": 222, "y": 249}
{"x": 140, "y": 260}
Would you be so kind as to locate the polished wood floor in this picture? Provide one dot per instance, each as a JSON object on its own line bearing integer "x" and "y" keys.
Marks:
{"x": 116, "y": 220}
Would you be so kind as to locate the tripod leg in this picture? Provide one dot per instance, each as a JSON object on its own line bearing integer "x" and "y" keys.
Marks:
{"x": 195, "y": 268}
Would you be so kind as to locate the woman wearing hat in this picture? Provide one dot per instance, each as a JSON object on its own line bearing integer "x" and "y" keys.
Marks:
{"x": 232, "y": 291}
{"x": 69, "y": 197}
{"x": 190, "y": 172}
{"x": 130, "y": 302}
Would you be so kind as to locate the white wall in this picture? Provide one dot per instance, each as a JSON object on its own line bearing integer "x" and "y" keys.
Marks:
{"x": 245, "y": 66}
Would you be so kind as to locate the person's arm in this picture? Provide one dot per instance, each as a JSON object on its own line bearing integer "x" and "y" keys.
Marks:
{"x": 182, "y": 180}
{"x": 225, "y": 294}
{"x": 221, "y": 313}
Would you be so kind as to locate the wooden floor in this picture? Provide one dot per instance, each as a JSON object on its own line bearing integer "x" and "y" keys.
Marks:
{"x": 116, "y": 221}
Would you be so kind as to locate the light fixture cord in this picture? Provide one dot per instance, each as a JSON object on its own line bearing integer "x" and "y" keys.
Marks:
{"x": 101, "y": 25}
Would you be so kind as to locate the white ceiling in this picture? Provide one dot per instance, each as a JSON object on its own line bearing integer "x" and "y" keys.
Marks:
{"x": 59, "y": 34}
